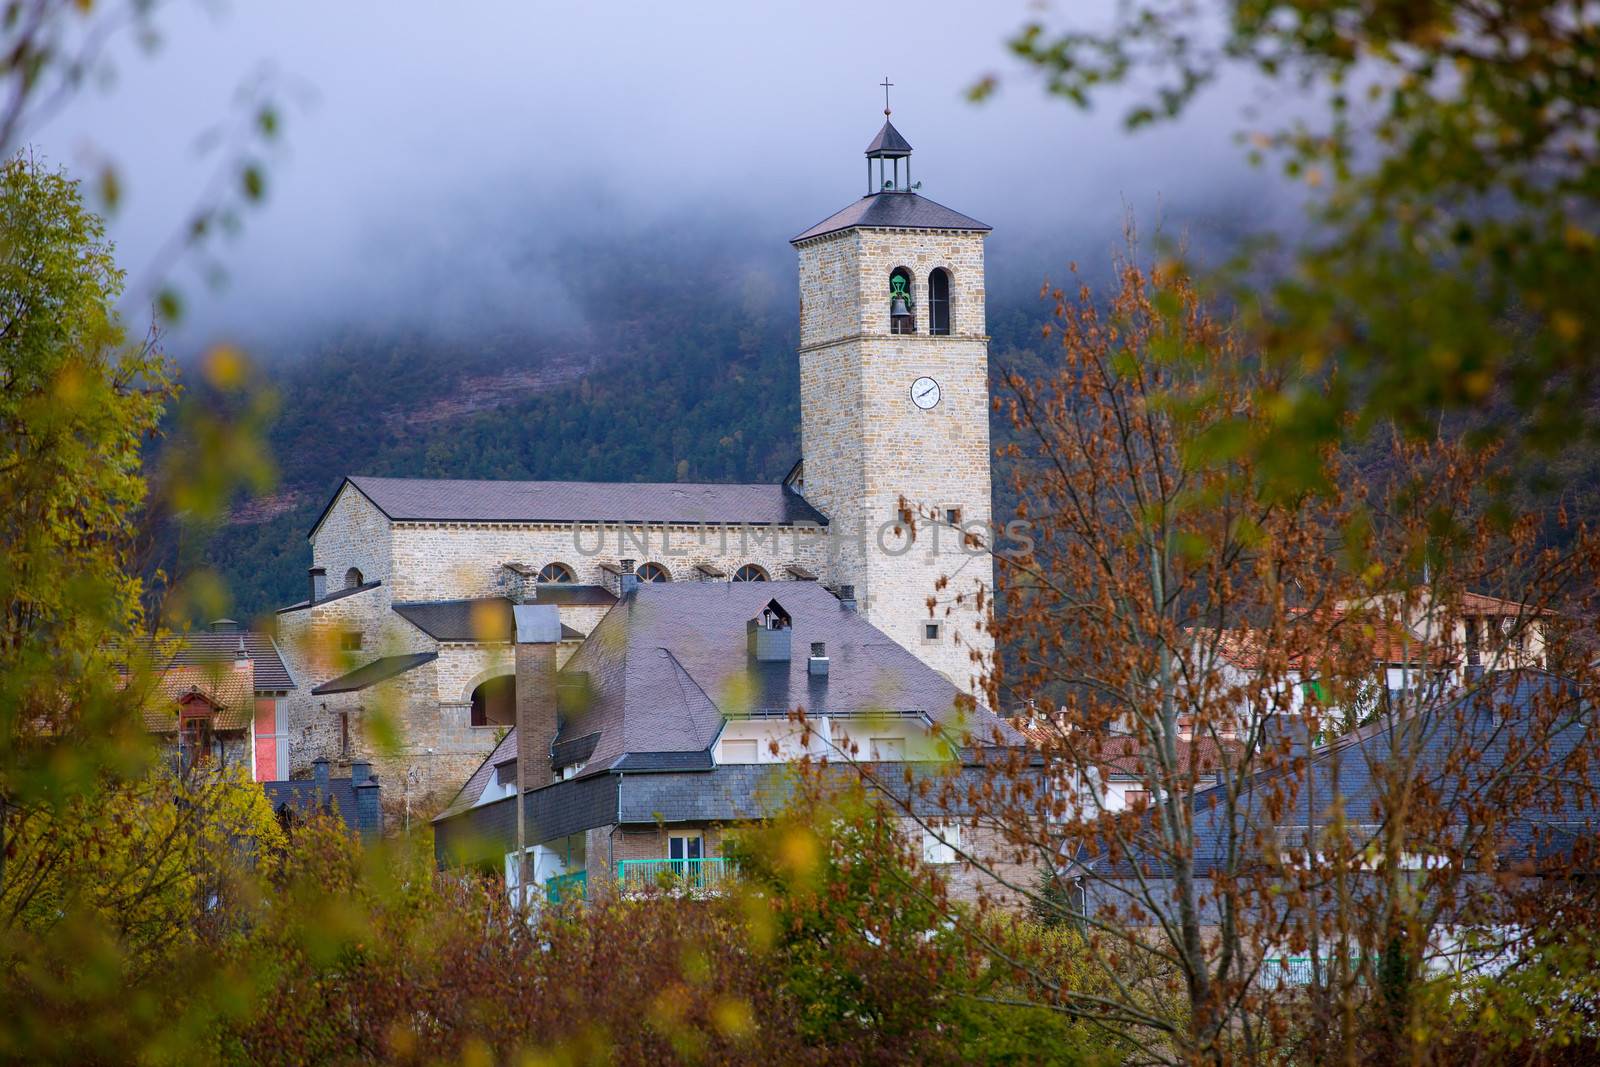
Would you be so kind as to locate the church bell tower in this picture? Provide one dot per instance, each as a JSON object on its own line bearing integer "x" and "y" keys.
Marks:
{"x": 894, "y": 403}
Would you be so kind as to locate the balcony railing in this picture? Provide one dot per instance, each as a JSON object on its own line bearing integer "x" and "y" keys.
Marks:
{"x": 703, "y": 875}
{"x": 564, "y": 887}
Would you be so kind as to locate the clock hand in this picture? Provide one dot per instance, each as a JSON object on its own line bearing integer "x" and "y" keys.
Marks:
{"x": 928, "y": 391}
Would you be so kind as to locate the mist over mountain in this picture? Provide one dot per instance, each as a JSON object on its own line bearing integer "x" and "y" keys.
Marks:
{"x": 658, "y": 352}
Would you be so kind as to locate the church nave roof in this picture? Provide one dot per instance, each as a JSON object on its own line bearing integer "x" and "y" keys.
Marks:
{"x": 471, "y": 500}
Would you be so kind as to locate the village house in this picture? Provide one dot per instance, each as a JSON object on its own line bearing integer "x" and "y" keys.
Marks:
{"x": 222, "y": 696}
{"x": 673, "y": 723}
{"x": 1500, "y": 719}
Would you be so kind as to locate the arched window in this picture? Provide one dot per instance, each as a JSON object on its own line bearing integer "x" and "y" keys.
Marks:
{"x": 557, "y": 572}
{"x": 653, "y": 572}
{"x": 352, "y": 578}
{"x": 749, "y": 573}
{"x": 494, "y": 703}
{"x": 902, "y": 305}
{"x": 939, "y": 301}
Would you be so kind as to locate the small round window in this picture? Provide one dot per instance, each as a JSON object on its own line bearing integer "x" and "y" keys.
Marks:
{"x": 653, "y": 572}
{"x": 749, "y": 573}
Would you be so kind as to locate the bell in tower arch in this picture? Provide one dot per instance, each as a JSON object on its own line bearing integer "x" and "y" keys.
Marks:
{"x": 900, "y": 318}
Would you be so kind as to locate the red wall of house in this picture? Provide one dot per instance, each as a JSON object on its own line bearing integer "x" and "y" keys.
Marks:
{"x": 266, "y": 740}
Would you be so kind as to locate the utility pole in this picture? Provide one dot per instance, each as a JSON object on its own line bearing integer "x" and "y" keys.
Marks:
{"x": 522, "y": 840}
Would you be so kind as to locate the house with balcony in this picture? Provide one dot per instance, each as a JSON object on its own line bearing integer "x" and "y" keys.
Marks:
{"x": 672, "y": 723}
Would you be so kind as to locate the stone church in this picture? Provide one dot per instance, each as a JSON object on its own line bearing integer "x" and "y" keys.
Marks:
{"x": 405, "y": 650}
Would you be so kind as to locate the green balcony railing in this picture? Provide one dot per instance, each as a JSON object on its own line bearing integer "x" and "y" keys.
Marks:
{"x": 564, "y": 887}
{"x": 710, "y": 875}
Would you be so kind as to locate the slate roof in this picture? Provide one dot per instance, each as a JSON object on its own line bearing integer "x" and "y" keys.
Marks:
{"x": 577, "y": 750}
{"x": 888, "y": 143}
{"x": 372, "y": 673}
{"x": 1483, "y": 717}
{"x": 573, "y": 594}
{"x": 452, "y": 500}
{"x": 893, "y": 211}
{"x": 483, "y": 619}
{"x": 669, "y": 664}
{"x": 337, "y": 594}
{"x": 217, "y": 646}
{"x": 307, "y": 796}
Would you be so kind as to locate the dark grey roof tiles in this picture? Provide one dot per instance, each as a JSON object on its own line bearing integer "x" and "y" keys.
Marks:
{"x": 483, "y": 619}
{"x": 306, "y": 796}
{"x": 449, "y": 500}
{"x": 337, "y": 594}
{"x": 577, "y": 595}
{"x": 889, "y": 144}
{"x": 1349, "y": 768}
{"x": 893, "y": 211}
{"x": 372, "y": 673}
{"x": 577, "y": 750}
{"x": 211, "y": 647}
{"x": 669, "y": 664}
{"x": 664, "y": 762}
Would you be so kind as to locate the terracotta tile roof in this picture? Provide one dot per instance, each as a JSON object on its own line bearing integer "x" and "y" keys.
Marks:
{"x": 1483, "y": 604}
{"x": 1119, "y": 755}
{"x": 229, "y": 689}
{"x": 1389, "y": 644}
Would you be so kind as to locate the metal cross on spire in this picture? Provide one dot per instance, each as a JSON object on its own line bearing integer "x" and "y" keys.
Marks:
{"x": 886, "y": 83}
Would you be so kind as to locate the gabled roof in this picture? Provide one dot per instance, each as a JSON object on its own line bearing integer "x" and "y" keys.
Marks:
{"x": 893, "y": 211}
{"x": 372, "y": 673}
{"x": 888, "y": 144}
{"x": 669, "y": 665}
{"x": 486, "y": 619}
{"x": 466, "y": 500}
{"x": 228, "y": 689}
{"x": 220, "y": 646}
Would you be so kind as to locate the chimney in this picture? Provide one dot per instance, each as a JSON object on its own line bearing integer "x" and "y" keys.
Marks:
{"x": 360, "y": 771}
{"x": 369, "y": 815}
{"x": 319, "y": 583}
{"x": 847, "y": 597}
{"x": 224, "y": 626}
{"x": 818, "y": 663}
{"x": 627, "y": 581}
{"x": 319, "y": 771}
{"x": 538, "y": 632}
{"x": 767, "y": 635}
{"x": 241, "y": 657}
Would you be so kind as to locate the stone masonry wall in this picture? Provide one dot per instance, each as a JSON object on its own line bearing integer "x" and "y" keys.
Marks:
{"x": 866, "y": 445}
{"x": 354, "y": 533}
{"x": 444, "y": 561}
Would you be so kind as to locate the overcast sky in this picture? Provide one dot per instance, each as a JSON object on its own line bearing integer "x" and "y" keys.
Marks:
{"x": 429, "y": 149}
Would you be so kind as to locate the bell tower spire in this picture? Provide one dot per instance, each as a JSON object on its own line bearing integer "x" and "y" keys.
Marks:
{"x": 894, "y": 410}
{"x": 888, "y": 148}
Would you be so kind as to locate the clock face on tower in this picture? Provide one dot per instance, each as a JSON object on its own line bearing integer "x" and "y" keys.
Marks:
{"x": 925, "y": 393}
